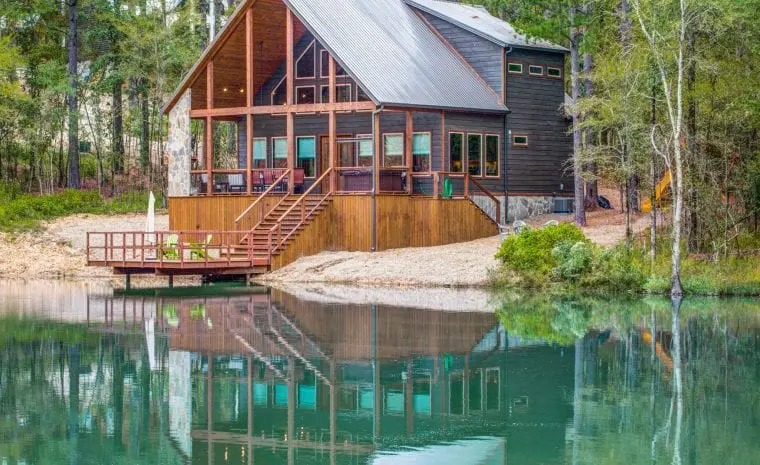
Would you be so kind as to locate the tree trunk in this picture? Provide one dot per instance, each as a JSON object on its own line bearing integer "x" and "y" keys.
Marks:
{"x": 653, "y": 194}
{"x": 592, "y": 187}
{"x": 117, "y": 133}
{"x": 144, "y": 129}
{"x": 691, "y": 140}
{"x": 73, "y": 181}
{"x": 580, "y": 207}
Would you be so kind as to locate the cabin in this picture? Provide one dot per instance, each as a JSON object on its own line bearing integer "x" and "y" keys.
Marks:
{"x": 357, "y": 126}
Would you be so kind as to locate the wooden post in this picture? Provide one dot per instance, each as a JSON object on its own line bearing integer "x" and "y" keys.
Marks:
{"x": 408, "y": 150}
{"x": 378, "y": 151}
{"x": 289, "y": 81}
{"x": 210, "y": 127}
{"x": 332, "y": 126}
{"x": 249, "y": 99}
{"x": 443, "y": 143}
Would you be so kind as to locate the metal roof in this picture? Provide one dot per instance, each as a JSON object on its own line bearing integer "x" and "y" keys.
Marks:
{"x": 478, "y": 21}
{"x": 394, "y": 55}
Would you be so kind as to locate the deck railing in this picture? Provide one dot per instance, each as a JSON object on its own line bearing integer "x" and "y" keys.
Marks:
{"x": 259, "y": 201}
{"x": 165, "y": 249}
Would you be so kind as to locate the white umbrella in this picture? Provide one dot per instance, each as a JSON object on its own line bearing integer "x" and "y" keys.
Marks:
{"x": 150, "y": 224}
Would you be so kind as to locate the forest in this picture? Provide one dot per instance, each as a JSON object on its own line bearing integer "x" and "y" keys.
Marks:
{"x": 659, "y": 89}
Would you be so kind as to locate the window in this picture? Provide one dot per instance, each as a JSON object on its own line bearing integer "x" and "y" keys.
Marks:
{"x": 493, "y": 389}
{"x": 362, "y": 96}
{"x": 456, "y": 151}
{"x": 305, "y": 64}
{"x": 339, "y": 71}
{"x": 280, "y": 152}
{"x": 554, "y": 72}
{"x": 306, "y": 154}
{"x": 421, "y": 151}
{"x": 515, "y": 68}
{"x": 474, "y": 154}
{"x": 259, "y": 153}
{"x": 393, "y": 150}
{"x": 305, "y": 95}
{"x": 535, "y": 70}
{"x": 280, "y": 93}
{"x": 342, "y": 93}
{"x": 365, "y": 149}
{"x": 492, "y": 155}
{"x": 520, "y": 140}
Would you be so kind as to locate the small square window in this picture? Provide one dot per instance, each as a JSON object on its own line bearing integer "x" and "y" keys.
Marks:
{"x": 520, "y": 141}
{"x": 535, "y": 70}
{"x": 305, "y": 95}
{"x": 515, "y": 68}
{"x": 554, "y": 72}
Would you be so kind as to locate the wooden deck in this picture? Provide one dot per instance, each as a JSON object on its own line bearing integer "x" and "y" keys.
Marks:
{"x": 248, "y": 235}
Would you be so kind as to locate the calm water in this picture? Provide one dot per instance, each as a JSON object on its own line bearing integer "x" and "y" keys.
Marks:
{"x": 87, "y": 377}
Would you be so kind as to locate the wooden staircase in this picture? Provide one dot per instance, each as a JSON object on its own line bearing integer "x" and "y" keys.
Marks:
{"x": 281, "y": 225}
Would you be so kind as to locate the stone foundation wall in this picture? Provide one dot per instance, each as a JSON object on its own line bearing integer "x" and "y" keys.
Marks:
{"x": 179, "y": 148}
{"x": 527, "y": 207}
{"x": 487, "y": 205}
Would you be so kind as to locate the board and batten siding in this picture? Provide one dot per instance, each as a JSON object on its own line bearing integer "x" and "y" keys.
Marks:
{"x": 483, "y": 55}
{"x": 537, "y": 110}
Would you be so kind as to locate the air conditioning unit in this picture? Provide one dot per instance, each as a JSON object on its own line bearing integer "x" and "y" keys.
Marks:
{"x": 563, "y": 205}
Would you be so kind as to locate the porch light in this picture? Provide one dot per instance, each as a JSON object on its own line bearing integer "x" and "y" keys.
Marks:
{"x": 242, "y": 91}
{"x": 224, "y": 90}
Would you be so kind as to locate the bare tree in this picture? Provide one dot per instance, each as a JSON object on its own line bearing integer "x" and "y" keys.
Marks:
{"x": 670, "y": 149}
{"x": 580, "y": 198}
{"x": 73, "y": 100}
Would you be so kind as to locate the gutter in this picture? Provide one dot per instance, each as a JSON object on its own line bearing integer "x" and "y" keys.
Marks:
{"x": 375, "y": 164}
{"x": 507, "y": 139}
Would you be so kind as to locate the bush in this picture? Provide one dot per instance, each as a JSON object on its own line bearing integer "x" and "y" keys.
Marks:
{"x": 616, "y": 270}
{"x": 529, "y": 253}
{"x": 573, "y": 259}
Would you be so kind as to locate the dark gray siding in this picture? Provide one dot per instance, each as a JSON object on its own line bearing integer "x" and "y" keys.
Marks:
{"x": 481, "y": 124}
{"x": 483, "y": 55}
{"x": 537, "y": 111}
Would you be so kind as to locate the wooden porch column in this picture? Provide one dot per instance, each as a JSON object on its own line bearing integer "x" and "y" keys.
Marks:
{"x": 409, "y": 150}
{"x": 210, "y": 127}
{"x": 378, "y": 152}
{"x": 249, "y": 99}
{"x": 332, "y": 126}
{"x": 289, "y": 81}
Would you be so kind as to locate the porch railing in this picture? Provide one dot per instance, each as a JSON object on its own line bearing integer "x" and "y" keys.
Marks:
{"x": 259, "y": 201}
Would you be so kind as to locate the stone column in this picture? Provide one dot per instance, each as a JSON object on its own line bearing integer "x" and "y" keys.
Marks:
{"x": 179, "y": 148}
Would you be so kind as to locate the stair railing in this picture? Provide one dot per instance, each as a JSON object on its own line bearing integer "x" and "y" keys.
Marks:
{"x": 258, "y": 201}
{"x": 300, "y": 203}
{"x": 487, "y": 194}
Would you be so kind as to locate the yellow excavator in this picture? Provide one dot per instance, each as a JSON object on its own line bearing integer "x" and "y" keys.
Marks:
{"x": 646, "y": 205}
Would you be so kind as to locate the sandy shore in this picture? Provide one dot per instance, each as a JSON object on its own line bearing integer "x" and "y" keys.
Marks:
{"x": 58, "y": 251}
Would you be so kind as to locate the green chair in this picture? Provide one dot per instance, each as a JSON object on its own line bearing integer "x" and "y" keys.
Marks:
{"x": 169, "y": 250}
{"x": 448, "y": 189}
{"x": 199, "y": 250}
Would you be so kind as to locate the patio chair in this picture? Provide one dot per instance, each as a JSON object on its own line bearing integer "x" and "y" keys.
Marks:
{"x": 236, "y": 182}
{"x": 168, "y": 250}
{"x": 520, "y": 226}
{"x": 198, "y": 251}
{"x": 448, "y": 189}
{"x": 550, "y": 223}
{"x": 299, "y": 178}
{"x": 204, "y": 183}
{"x": 268, "y": 179}
{"x": 257, "y": 181}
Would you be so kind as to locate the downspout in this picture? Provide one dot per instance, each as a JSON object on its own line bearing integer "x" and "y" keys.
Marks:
{"x": 375, "y": 164}
{"x": 507, "y": 138}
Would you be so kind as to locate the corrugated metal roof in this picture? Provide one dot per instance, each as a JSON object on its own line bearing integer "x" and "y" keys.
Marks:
{"x": 394, "y": 55}
{"x": 478, "y": 21}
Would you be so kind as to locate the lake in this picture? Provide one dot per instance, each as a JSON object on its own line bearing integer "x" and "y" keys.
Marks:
{"x": 237, "y": 375}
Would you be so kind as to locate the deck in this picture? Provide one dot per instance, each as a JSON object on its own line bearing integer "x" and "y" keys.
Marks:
{"x": 253, "y": 234}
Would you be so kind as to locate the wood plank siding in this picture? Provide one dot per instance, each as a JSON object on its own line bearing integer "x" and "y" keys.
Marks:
{"x": 215, "y": 213}
{"x": 537, "y": 104}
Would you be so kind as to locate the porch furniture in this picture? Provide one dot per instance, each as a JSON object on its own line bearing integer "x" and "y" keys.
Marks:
{"x": 393, "y": 181}
{"x": 448, "y": 189}
{"x": 299, "y": 178}
{"x": 168, "y": 250}
{"x": 257, "y": 181}
{"x": 550, "y": 223}
{"x": 198, "y": 250}
{"x": 236, "y": 183}
{"x": 204, "y": 183}
{"x": 267, "y": 179}
{"x": 221, "y": 186}
{"x": 355, "y": 180}
{"x": 519, "y": 226}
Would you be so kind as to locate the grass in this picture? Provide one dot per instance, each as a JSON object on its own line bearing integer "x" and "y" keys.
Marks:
{"x": 557, "y": 259}
{"x": 20, "y": 212}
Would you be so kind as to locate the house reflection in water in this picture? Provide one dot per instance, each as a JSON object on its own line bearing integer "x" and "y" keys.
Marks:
{"x": 272, "y": 379}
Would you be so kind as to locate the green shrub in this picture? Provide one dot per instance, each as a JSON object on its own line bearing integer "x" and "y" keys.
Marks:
{"x": 573, "y": 259}
{"x": 529, "y": 253}
{"x": 616, "y": 270}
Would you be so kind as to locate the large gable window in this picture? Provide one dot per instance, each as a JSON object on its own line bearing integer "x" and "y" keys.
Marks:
{"x": 306, "y": 64}
{"x": 325, "y": 59}
{"x": 342, "y": 93}
{"x": 306, "y": 154}
{"x": 475, "y": 154}
{"x": 456, "y": 151}
{"x": 421, "y": 151}
{"x": 393, "y": 150}
{"x": 280, "y": 93}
